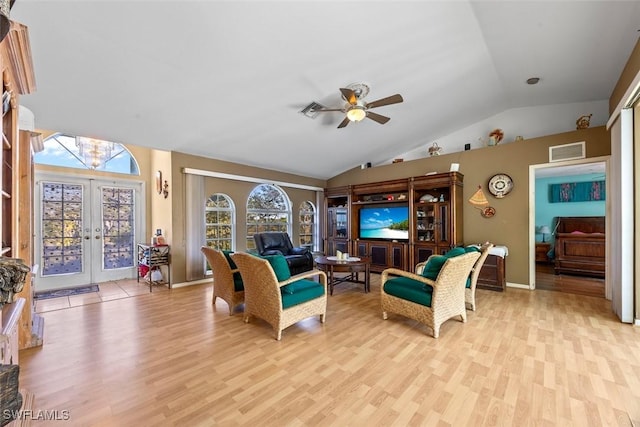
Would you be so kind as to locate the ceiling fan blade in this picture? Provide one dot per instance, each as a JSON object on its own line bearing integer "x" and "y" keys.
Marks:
{"x": 344, "y": 123}
{"x": 393, "y": 99}
{"x": 349, "y": 95}
{"x": 377, "y": 117}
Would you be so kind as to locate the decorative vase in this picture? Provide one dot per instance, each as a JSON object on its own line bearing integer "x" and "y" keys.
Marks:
{"x": 435, "y": 149}
{"x": 13, "y": 273}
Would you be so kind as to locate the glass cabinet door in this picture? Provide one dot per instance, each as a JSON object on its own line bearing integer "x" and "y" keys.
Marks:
{"x": 443, "y": 223}
{"x": 341, "y": 231}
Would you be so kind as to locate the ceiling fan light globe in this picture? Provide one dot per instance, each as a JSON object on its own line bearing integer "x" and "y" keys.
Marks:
{"x": 356, "y": 113}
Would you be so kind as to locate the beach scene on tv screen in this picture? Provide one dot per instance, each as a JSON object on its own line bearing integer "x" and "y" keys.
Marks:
{"x": 384, "y": 223}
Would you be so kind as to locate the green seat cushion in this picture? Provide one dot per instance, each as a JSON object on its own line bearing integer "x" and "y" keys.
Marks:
{"x": 409, "y": 289}
{"x": 300, "y": 291}
{"x": 468, "y": 284}
{"x": 471, "y": 249}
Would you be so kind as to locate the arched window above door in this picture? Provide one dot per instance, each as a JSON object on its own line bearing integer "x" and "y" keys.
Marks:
{"x": 86, "y": 153}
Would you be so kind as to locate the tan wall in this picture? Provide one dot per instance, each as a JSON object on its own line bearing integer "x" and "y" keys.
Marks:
{"x": 159, "y": 214}
{"x": 629, "y": 73}
{"x": 237, "y": 190}
{"x": 510, "y": 225}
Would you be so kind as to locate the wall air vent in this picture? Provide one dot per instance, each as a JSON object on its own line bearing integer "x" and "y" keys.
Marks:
{"x": 311, "y": 110}
{"x": 559, "y": 153}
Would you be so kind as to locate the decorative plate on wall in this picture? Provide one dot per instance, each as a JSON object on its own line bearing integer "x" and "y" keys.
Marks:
{"x": 500, "y": 185}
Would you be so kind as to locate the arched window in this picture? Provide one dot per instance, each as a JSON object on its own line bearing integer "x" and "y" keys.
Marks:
{"x": 307, "y": 224}
{"x": 220, "y": 215}
{"x": 86, "y": 153}
{"x": 268, "y": 209}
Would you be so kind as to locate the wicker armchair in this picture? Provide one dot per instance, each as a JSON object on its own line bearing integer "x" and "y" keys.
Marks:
{"x": 470, "y": 290}
{"x": 425, "y": 300}
{"x": 227, "y": 282}
{"x": 264, "y": 295}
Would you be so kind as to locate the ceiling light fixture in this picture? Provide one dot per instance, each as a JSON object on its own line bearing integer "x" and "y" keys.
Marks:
{"x": 533, "y": 80}
{"x": 94, "y": 152}
{"x": 356, "y": 113}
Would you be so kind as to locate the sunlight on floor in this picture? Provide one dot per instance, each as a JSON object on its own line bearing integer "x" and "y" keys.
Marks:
{"x": 115, "y": 289}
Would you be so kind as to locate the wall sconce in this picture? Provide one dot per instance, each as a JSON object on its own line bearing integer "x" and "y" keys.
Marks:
{"x": 165, "y": 189}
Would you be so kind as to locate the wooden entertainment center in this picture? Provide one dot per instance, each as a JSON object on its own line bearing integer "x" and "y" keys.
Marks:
{"x": 433, "y": 206}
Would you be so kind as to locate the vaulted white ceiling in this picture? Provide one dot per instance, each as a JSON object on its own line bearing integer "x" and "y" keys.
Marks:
{"x": 227, "y": 79}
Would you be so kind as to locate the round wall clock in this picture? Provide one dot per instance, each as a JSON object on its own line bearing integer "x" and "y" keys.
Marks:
{"x": 500, "y": 185}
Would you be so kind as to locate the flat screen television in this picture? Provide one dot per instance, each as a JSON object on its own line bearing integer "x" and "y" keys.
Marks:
{"x": 384, "y": 222}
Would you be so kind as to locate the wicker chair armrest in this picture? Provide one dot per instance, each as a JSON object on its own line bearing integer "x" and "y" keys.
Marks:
{"x": 397, "y": 272}
{"x": 311, "y": 273}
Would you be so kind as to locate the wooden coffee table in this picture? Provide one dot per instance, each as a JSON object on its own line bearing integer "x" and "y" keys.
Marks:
{"x": 353, "y": 266}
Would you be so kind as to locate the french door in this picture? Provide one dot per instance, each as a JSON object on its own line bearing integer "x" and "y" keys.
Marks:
{"x": 86, "y": 230}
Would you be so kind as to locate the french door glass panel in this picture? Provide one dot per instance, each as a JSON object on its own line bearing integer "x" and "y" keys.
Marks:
{"x": 88, "y": 230}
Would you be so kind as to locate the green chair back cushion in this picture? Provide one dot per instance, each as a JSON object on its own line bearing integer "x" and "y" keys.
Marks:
{"x": 468, "y": 249}
{"x": 279, "y": 265}
{"x": 458, "y": 250}
{"x": 300, "y": 291}
{"x": 435, "y": 263}
{"x": 238, "y": 285}
{"x": 409, "y": 289}
{"x": 227, "y": 255}
{"x": 433, "y": 266}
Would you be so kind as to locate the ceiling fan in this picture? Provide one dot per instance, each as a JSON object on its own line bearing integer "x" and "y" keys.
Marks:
{"x": 356, "y": 109}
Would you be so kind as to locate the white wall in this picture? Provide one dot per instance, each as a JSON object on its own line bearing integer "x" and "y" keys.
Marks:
{"x": 530, "y": 122}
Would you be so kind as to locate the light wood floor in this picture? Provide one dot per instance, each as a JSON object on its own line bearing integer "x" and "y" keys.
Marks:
{"x": 537, "y": 358}
{"x": 546, "y": 279}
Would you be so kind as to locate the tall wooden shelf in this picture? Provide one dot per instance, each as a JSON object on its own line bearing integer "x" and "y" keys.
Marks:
{"x": 435, "y": 206}
{"x": 16, "y": 167}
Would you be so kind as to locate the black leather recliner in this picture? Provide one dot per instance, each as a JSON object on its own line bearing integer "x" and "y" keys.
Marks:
{"x": 276, "y": 243}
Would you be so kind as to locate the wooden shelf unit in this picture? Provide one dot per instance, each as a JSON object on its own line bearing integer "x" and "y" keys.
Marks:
{"x": 16, "y": 168}
{"x": 153, "y": 257}
{"x": 446, "y": 220}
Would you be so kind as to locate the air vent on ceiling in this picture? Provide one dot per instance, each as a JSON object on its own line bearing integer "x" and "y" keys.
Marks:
{"x": 575, "y": 150}
{"x": 311, "y": 110}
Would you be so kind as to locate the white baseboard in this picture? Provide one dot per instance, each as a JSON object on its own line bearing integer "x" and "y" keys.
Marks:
{"x": 195, "y": 282}
{"x": 517, "y": 285}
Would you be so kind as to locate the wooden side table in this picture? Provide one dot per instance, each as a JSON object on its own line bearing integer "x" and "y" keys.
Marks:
{"x": 354, "y": 266}
{"x": 542, "y": 249}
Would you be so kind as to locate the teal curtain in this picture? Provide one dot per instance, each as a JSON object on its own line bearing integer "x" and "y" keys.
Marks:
{"x": 577, "y": 192}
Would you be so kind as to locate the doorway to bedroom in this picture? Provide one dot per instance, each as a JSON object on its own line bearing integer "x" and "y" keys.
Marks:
{"x": 551, "y": 205}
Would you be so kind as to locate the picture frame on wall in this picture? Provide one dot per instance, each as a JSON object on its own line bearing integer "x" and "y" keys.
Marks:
{"x": 159, "y": 182}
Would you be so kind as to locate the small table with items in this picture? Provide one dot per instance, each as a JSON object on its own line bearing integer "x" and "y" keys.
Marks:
{"x": 351, "y": 265}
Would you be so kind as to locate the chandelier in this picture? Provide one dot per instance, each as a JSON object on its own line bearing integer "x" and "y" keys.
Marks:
{"x": 94, "y": 152}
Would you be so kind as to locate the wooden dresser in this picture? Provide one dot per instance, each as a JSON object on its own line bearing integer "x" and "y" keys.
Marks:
{"x": 493, "y": 274}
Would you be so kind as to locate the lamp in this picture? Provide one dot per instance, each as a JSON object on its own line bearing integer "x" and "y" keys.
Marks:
{"x": 356, "y": 113}
{"x": 544, "y": 230}
{"x": 95, "y": 153}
